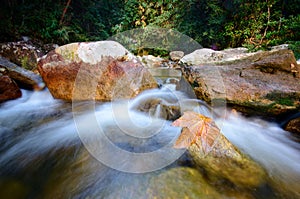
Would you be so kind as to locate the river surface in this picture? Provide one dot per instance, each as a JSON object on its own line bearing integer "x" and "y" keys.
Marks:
{"x": 55, "y": 149}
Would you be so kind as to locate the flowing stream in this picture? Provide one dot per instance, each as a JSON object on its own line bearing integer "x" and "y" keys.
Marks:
{"x": 55, "y": 149}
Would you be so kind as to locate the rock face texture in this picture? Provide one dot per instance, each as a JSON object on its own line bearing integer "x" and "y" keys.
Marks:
{"x": 181, "y": 182}
{"x": 294, "y": 126}
{"x": 212, "y": 152}
{"x": 204, "y": 55}
{"x": 24, "y": 78}
{"x": 150, "y": 61}
{"x": 226, "y": 162}
{"x": 102, "y": 70}
{"x": 8, "y": 89}
{"x": 22, "y": 53}
{"x": 176, "y": 55}
{"x": 265, "y": 83}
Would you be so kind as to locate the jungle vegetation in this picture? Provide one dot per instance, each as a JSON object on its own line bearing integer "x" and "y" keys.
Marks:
{"x": 218, "y": 24}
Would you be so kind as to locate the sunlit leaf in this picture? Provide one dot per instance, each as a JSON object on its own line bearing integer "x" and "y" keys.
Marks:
{"x": 196, "y": 127}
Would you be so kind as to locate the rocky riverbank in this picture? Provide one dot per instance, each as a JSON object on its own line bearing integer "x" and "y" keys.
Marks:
{"x": 256, "y": 84}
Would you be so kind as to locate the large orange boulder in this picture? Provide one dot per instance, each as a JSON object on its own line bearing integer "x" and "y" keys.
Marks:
{"x": 102, "y": 70}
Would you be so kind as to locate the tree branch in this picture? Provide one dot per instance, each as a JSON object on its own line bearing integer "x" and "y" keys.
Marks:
{"x": 64, "y": 12}
{"x": 268, "y": 17}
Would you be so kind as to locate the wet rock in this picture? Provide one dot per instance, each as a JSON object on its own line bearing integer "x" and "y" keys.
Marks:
{"x": 212, "y": 152}
{"x": 24, "y": 78}
{"x": 171, "y": 81}
{"x": 8, "y": 89}
{"x": 293, "y": 126}
{"x": 226, "y": 162}
{"x": 88, "y": 178}
{"x": 176, "y": 55}
{"x": 265, "y": 83}
{"x": 102, "y": 70}
{"x": 160, "y": 108}
{"x": 181, "y": 182}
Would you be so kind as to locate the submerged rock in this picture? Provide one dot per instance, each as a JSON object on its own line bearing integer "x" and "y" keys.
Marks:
{"x": 102, "y": 70}
{"x": 160, "y": 108}
{"x": 84, "y": 177}
{"x": 13, "y": 189}
{"x": 182, "y": 182}
{"x": 266, "y": 83}
{"x": 8, "y": 89}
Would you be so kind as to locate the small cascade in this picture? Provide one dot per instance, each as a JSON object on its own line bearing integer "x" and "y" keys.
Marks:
{"x": 124, "y": 149}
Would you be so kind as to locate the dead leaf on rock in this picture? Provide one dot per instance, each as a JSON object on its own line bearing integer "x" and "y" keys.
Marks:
{"x": 196, "y": 126}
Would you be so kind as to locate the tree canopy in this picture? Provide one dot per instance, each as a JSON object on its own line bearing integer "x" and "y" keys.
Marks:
{"x": 217, "y": 23}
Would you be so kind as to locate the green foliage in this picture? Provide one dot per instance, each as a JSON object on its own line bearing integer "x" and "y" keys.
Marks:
{"x": 217, "y": 24}
{"x": 295, "y": 47}
{"x": 96, "y": 18}
{"x": 259, "y": 24}
{"x": 204, "y": 21}
{"x": 251, "y": 21}
{"x": 24, "y": 63}
{"x": 142, "y": 13}
{"x": 84, "y": 20}
{"x": 291, "y": 34}
{"x": 152, "y": 51}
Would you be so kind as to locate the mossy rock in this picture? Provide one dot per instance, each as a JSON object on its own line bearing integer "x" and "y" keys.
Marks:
{"x": 181, "y": 182}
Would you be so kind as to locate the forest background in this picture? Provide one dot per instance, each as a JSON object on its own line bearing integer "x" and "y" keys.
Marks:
{"x": 217, "y": 24}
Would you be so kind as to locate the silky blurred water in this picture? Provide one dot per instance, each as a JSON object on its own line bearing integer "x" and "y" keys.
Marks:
{"x": 43, "y": 151}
